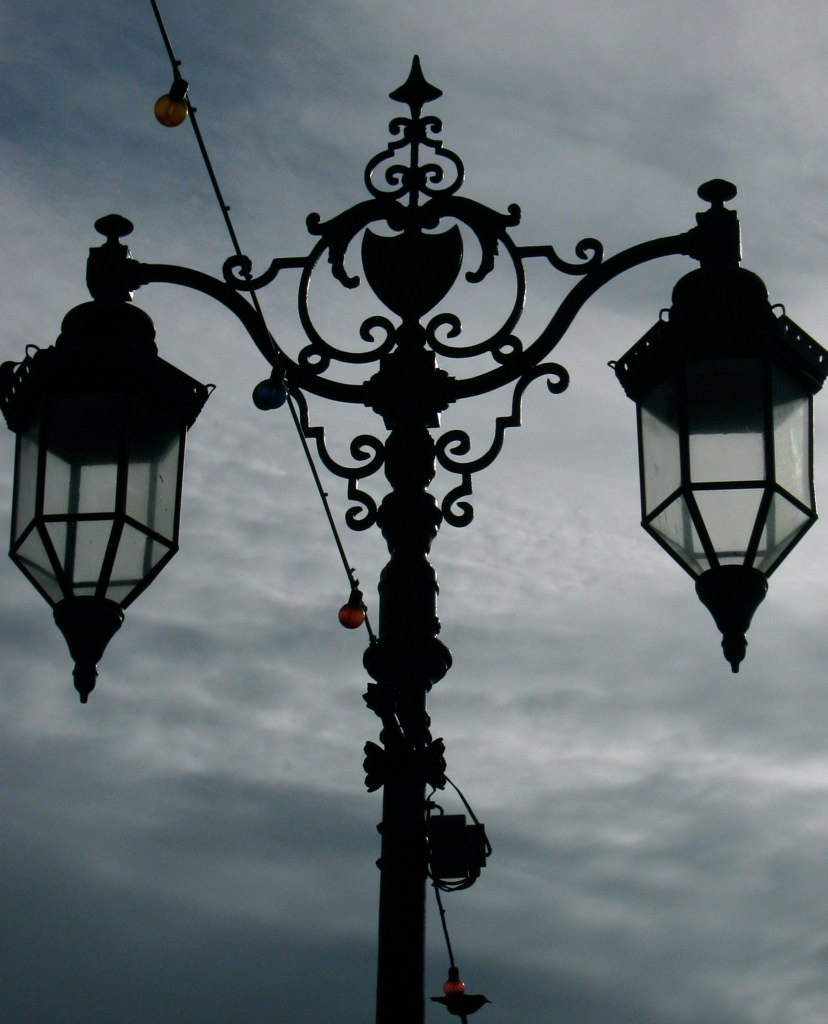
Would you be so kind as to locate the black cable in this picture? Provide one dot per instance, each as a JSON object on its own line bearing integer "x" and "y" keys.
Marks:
{"x": 442, "y": 910}
{"x": 225, "y": 211}
{"x": 472, "y": 815}
{"x": 323, "y": 495}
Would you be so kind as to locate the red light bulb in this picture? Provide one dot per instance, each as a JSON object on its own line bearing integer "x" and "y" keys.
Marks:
{"x": 454, "y": 986}
{"x": 352, "y": 615}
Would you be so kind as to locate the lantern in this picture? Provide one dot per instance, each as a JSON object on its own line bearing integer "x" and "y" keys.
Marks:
{"x": 724, "y": 389}
{"x": 100, "y": 421}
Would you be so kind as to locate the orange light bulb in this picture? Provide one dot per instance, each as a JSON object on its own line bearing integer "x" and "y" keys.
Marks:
{"x": 171, "y": 111}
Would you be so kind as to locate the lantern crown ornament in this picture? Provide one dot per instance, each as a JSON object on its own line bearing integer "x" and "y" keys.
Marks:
{"x": 100, "y": 421}
{"x": 723, "y": 385}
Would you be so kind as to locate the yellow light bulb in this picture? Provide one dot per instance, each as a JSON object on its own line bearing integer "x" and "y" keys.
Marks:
{"x": 171, "y": 111}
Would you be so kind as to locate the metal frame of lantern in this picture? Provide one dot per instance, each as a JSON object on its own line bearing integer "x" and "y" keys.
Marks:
{"x": 429, "y": 241}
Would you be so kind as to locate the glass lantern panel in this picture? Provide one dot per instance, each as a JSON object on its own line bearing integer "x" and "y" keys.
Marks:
{"x": 792, "y": 436}
{"x": 81, "y": 548}
{"x": 32, "y": 558}
{"x": 674, "y": 525}
{"x": 660, "y": 449}
{"x": 725, "y": 419}
{"x": 25, "y": 484}
{"x": 784, "y": 525}
{"x": 138, "y": 556}
{"x": 82, "y": 434}
{"x": 152, "y": 484}
{"x": 730, "y": 517}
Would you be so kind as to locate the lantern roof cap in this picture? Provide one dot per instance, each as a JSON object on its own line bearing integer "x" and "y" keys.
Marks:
{"x": 721, "y": 312}
{"x": 102, "y": 346}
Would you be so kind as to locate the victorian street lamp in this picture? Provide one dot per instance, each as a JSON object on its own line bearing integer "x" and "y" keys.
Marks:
{"x": 100, "y": 422}
{"x": 723, "y": 389}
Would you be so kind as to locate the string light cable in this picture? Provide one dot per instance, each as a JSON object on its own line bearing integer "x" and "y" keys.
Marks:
{"x": 171, "y": 110}
{"x": 484, "y": 851}
{"x": 455, "y": 998}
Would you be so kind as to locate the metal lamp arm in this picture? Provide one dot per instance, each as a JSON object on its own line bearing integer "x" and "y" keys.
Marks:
{"x": 252, "y": 321}
{"x": 685, "y": 244}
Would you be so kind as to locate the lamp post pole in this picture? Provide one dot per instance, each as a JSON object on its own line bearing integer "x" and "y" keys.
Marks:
{"x": 405, "y": 661}
{"x": 680, "y": 374}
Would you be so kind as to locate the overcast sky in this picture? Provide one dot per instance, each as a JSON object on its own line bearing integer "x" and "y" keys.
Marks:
{"x": 196, "y": 844}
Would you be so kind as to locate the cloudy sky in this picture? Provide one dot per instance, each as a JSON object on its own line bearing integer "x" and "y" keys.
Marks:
{"x": 196, "y": 844}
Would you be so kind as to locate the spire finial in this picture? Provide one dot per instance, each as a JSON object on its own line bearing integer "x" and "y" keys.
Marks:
{"x": 416, "y": 91}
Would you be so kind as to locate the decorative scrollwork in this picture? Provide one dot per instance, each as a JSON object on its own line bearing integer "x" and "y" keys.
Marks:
{"x": 453, "y": 329}
{"x": 451, "y": 446}
{"x": 374, "y": 323}
{"x": 237, "y": 272}
{"x": 509, "y": 347}
{"x": 364, "y": 514}
{"x": 310, "y": 358}
{"x": 410, "y": 242}
{"x": 414, "y": 257}
{"x": 589, "y": 250}
{"x": 413, "y": 177}
{"x": 368, "y": 453}
{"x": 455, "y": 512}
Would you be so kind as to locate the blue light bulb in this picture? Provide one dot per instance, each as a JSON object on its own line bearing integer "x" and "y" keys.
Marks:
{"x": 269, "y": 394}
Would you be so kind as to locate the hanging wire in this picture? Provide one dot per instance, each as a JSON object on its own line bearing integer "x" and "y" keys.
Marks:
{"x": 469, "y": 808}
{"x": 225, "y": 211}
{"x": 323, "y": 495}
{"x": 435, "y": 882}
{"x": 205, "y": 156}
{"x": 442, "y": 911}
{"x": 442, "y": 884}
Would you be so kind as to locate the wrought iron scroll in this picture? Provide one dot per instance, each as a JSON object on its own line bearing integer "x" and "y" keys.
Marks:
{"x": 366, "y": 450}
{"x": 411, "y": 264}
{"x": 237, "y": 271}
{"x": 456, "y": 443}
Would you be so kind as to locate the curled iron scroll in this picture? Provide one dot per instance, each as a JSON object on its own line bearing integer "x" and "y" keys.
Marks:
{"x": 451, "y": 446}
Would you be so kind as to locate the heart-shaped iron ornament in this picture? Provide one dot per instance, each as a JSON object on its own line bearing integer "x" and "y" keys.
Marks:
{"x": 411, "y": 272}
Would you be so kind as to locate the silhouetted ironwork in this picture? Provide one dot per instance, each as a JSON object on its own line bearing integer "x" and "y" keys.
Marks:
{"x": 408, "y": 247}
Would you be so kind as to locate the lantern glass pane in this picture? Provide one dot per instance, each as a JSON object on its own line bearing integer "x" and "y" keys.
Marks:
{"x": 82, "y": 434}
{"x": 792, "y": 436}
{"x": 674, "y": 526}
{"x": 81, "y": 548}
{"x": 26, "y": 469}
{"x": 660, "y": 448}
{"x": 784, "y": 526}
{"x": 152, "y": 484}
{"x": 729, "y": 516}
{"x": 138, "y": 556}
{"x": 725, "y": 419}
{"x": 32, "y": 558}
{"x": 25, "y": 484}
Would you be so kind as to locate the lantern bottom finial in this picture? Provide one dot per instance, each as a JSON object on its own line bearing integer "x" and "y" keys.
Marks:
{"x": 85, "y": 676}
{"x": 88, "y": 624}
{"x": 732, "y": 593}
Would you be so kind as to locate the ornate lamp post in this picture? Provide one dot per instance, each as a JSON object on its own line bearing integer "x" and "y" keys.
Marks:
{"x": 723, "y": 389}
